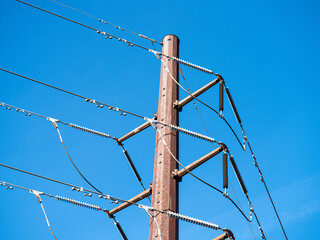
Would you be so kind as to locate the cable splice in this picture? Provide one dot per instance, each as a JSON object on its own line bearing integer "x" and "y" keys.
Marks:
{"x": 192, "y": 220}
{"x": 78, "y": 203}
{"x": 88, "y": 130}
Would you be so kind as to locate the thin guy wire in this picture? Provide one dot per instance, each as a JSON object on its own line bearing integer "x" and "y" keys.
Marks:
{"x": 266, "y": 187}
{"x": 71, "y": 93}
{"x": 106, "y": 22}
{"x": 204, "y": 124}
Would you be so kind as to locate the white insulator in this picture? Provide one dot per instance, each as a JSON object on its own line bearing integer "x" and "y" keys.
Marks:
{"x": 192, "y": 65}
{"x": 78, "y": 203}
{"x": 191, "y": 133}
{"x": 192, "y": 220}
{"x": 88, "y": 130}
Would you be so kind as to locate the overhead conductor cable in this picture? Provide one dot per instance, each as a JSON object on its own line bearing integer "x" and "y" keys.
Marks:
{"x": 201, "y": 180}
{"x": 197, "y": 99}
{"x": 110, "y": 36}
{"x": 245, "y": 139}
{"x": 107, "y": 22}
{"x": 97, "y": 103}
{"x": 245, "y": 191}
{"x": 225, "y": 156}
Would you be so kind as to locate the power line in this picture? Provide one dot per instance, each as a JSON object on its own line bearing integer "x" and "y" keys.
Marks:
{"x": 88, "y": 130}
{"x": 57, "y": 197}
{"x": 93, "y": 101}
{"x": 115, "y": 199}
{"x": 245, "y": 139}
{"x": 201, "y": 180}
{"x": 195, "y": 98}
{"x": 238, "y": 118}
{"x": 74, "y": 165}
{"x": 39, "y": 200}
{"x": 107, "y": 22}
{"x": 131, "y": 44}
{"x": 204, "y": 124}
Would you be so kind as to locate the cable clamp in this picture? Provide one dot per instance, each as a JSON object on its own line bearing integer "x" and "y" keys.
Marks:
{"x": 156, "y": 53}
{"x": 37, "y": 194}
{"x": 148, "y": 210}
{"x": 54, "y": 122}
{"x": 152, "y": 122}
{"x": 225, "y": 193}
{"x": 145, "y": 207}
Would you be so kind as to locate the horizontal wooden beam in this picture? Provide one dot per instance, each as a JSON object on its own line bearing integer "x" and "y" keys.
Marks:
{"x": 143, "y": 195}
{"x": 135, "y": 131}
{"x": 197, "y": 163}
{"x": 197, "y": 93}
{"x": 221, "y": 237}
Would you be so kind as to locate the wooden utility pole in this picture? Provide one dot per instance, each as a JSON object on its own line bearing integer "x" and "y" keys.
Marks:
{"x": 164, "y": 186}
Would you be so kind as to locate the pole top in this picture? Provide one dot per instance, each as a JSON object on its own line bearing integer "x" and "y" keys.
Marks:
{"x": 169, "y": 35}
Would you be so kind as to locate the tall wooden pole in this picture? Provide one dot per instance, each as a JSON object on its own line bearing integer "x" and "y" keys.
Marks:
{"x": 164, "y": 186}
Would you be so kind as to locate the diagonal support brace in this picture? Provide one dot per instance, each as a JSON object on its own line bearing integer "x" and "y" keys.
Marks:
{"x": 146, "y": 193}
{"x": 185, "y": 101}
{"x": 179, "y": 174}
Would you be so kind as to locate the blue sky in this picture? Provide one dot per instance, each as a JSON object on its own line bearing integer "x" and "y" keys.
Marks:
{"x": 267, "y": 52}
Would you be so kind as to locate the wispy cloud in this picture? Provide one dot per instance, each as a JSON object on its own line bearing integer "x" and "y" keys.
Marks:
{"x": 296, "y": 203}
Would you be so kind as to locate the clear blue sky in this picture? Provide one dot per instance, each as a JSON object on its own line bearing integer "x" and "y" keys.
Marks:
{"x": 268, "y": 53}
